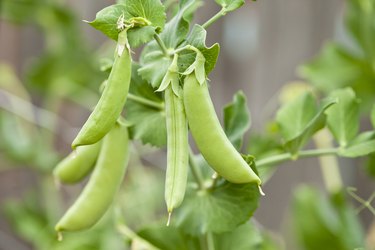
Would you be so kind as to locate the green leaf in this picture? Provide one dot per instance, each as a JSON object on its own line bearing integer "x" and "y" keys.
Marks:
{"x": 106, "y": 20}
{"x": 293, "y": 116}
{"x": 299, "y": 119}
{"x": 177, "y": 28}
{"x": 219, "y": 209}
{"x": 319, "y": 222}
{"x": 244, "y": 237}
{"x": 237, "y": 119}
{"x": 360, "y": 149}
{"x": 337, "y": 67}
{"x": 169, "y": 238}
{"x": 189, "y": 13}
{"x": 230, "y": 5}
{"x": 151, "y": 11}
{"x": 154, "y": 64}
{"x": 343, "y": 118}
{"x": 316, "y": 123}
{"x": 373, "y": 116}
{"x": 197, "y": 38}
{"x": 334, "y": 68}
{"x": 360, "y": 18}
{"x": 148, "y": 123}
{"x": 363, "y": 137}
{"x": 142, "y": 35}
{"x": 351, "y": 231}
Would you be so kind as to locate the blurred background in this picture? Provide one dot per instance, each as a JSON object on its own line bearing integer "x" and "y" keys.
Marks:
{"x": 50, "y": 74}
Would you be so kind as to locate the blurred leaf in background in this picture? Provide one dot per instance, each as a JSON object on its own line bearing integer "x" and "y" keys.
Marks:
{"x": 325, "y": 223}
{"x": 338, "y": 66}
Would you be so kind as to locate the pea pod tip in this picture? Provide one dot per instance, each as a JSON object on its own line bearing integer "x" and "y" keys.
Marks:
{"x": 169, "y": 218}
{"x": 261, "y": 191}
{"x": 59, "y": 236}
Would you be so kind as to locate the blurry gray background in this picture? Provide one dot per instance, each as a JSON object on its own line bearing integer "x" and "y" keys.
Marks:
{"x": 261, "y": 45}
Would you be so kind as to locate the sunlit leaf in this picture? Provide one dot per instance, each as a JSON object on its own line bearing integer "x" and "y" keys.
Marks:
{"x": 218, "y": 210}
{"x": 343, "y": 118}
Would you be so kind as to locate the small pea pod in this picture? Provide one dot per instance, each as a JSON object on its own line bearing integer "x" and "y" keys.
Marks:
{"x": 113, "y": 99}
{"x": 177, "y": 150}
{"x": 106, "y": 178}
{"x": 210, "y": 136}
{"x": 177, "y": 139}
{"x": 78, "y": 164}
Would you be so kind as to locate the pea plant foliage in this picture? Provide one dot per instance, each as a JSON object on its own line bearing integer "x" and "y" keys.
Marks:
{"x": 211, "y": 195}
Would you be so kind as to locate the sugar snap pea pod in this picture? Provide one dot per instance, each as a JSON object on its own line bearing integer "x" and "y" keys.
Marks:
{"x": 177, "y": 139}
{"x": 209, "y": 135}
{"x": 106, "y": 178}
{"x": 78, "y": 164}
{"x": 112, "y": 100}
{"x": 177, "y": 150}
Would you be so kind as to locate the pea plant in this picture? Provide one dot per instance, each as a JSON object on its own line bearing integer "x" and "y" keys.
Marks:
{"x": 175, "y": 67}
{"x": 212, "y": 184}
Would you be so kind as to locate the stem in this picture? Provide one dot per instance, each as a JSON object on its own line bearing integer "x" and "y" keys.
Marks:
{"x": 127, "y": 232}
{"x": 328, "y": 164}
{"x": 302, "y": 154}
{"x": 195, "y": 170}
{"x": 365, "y": 203}
{"x": 214, "y": 181}
{"x": 213, "y": 19}
{"x": 210, "y": 241}
{"x": 161, "y": 45}
{"x": 186, "y": 47}
{"x": 146, "y": 102}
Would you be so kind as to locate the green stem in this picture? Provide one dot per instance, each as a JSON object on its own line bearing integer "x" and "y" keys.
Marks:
{"x": 186, "y": 47}
{"x": 302, "y": 154}
{"x": 161, "y": 45}
{"x": 196, "y": 171}
{"x": 146, "y": 102}
{"x": 127, "y": 232}
{"x": 210, "y": 241}
{"x": 213, "y": 19}
{"x": 328, "y": 164}
{"x": 214, "y": 181}
{"x": 365, "y": 203}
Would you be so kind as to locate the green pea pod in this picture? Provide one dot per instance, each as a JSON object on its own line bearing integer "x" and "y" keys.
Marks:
{"x": 177, "y": 146}
{"x": 106, "y": 178}
{"x": 210, "y": 137}
{"x": 78, "y": 164}
{"x": 113, "y": 99}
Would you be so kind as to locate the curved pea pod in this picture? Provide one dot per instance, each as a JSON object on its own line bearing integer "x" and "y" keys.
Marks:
{"x": 104, "y": 183}
{"x": 78, "y": 164}
{"x": 113, "y": 99}
{"x": 177, "y": 150}
{"x": 210, "y": 137}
